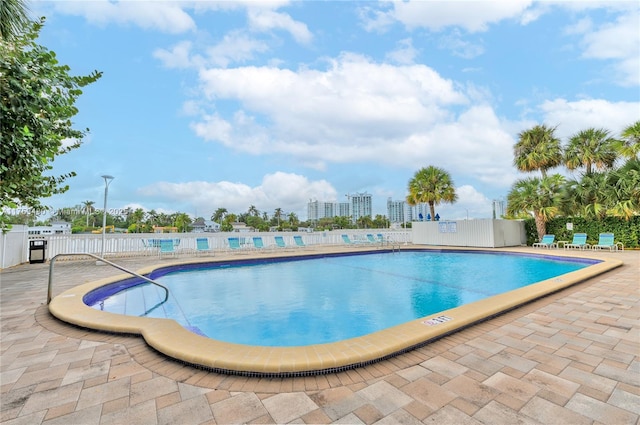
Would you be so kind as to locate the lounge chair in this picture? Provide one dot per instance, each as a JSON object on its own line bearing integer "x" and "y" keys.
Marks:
{"x": 234, "y": 244}
{"x": 354, "y": 242}
{"x": 579, "y": 242}
{"x": 202, "y": 246}
{"x": 299, "y": 242}
{"x": 280, "y": 243}
{"x": 606, "y": 241}
{"x": 166, "y": 247}
{"x": 371, "y": 239}
{"x": 258, "y": 243}
{"x": 548, "y": 241}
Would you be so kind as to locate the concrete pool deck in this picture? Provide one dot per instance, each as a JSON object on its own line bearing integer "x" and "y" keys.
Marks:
{"x": 571, "y": 357}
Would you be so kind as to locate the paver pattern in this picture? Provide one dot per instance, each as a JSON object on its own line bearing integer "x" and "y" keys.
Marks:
{"x": 569, "y": 358}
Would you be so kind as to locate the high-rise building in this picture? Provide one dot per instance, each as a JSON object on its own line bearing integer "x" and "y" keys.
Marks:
{"x": 360, "y": 206}
{"x": 397, "y": 211}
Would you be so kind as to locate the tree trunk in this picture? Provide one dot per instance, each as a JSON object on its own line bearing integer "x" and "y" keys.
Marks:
{"x": 432, "y": 208}
{"x": 541, "y": 225}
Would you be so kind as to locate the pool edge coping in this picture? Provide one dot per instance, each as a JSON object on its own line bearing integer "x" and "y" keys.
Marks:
{"x": 168, "y": 337}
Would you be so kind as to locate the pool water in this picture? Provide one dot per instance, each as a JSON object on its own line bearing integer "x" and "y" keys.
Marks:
{"x": 328, "y": 299}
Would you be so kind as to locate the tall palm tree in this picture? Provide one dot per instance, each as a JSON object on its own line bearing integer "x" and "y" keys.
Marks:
{"x": 591, "y": 148}
{"x": 13, "y": 18}
{"x": 630, "y": 143}
{"x": 218, "y": 216}
{"x": 588, "y": 197}
{"x": 623, "y": 187}
{"x": 88, "y": 207}
{"x": 431, "y": 185}
{"x": 540, "y": 197}
{"x": 537, "y": 149}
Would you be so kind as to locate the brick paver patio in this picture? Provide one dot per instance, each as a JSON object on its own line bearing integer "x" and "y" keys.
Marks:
{"x": 570, "y": 358}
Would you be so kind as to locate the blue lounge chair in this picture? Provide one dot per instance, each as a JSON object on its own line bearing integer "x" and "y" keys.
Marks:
{"x": 606, "y": 241}
{"x": 234, "y": 244}
{"x": 202, "y": 246}
{"x": 579, "y": 242}
{"x": 371, "y": 239}
{"x": 350, "y": 242}
{"x": 258, "y": 243}
{"x": 548, "y": 241}
{"x": 299, "y": 242}
{"x": 280, "y": 244}
{"x": 166, "y": 247}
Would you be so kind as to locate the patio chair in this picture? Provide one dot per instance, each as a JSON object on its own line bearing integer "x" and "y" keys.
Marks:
{"x": 579, "y": 242}
{"x": 280, "y": 243}
{"x": 606, "y": 241}
{"x": 234, "y": 244}
{"x": 299, "y": 242}
{"x": 166, "y": 247}
{"x": 348, "y": 241}
{"x": 202, "y": 246}
{"x": 371, "y": 239}
{"x": 258, "y": 243}
{"x": 548, "y": 241}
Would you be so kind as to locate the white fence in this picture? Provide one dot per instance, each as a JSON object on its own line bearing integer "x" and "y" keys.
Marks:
{"x": 484, "y": 233}
{"x": 15, "y": 244}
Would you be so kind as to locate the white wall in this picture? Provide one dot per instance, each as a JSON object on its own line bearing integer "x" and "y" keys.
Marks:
{"x": 14, "y": 246}
{"x": 485, "y": 233}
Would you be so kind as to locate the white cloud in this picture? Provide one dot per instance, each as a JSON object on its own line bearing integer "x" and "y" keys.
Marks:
{"x": 277, "y": 190}
{"x": 404, "y": 54}
{"x": 235, "y": 47}
{"x": 176, "y": 57}
{"x": 357, "y": 111}
{"x": 460, "y": 47}
{"x": 571, "y": 117}
{"x": 264, "y": 20}
{"x": 473, "y": 16}
{"x": 618, "y": 41}
{"x": 159, "y": 15}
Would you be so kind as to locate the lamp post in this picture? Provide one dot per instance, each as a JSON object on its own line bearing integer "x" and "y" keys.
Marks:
{"x": 107, "y": 180}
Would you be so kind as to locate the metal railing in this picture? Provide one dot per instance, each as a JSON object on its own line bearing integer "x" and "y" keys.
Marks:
{"x": 53, "y": 260}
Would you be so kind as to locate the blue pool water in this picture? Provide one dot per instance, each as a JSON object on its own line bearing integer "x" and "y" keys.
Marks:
{"x": 326, "y": 299}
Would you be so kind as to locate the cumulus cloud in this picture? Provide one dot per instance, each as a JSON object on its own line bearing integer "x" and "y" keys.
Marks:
{"x": 619, "y": 42}
{"x": 162, "y": 16}
{"x": 571, "y": 117}
{"x": 277, "y": 190}
{"x": 475, "y": 16}
{"x": 358, "y": 111}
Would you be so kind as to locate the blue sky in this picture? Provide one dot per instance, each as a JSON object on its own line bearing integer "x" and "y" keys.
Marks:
{"x": 207, "y": 105}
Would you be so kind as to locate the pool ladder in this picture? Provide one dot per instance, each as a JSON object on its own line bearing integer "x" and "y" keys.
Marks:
{"x": 102, "y": 260}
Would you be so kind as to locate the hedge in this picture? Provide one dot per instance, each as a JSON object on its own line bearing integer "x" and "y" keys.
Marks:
{"x": 625, "y": 231}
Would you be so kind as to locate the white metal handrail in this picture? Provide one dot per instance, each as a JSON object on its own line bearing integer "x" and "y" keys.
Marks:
{"x": 53, "y": 260}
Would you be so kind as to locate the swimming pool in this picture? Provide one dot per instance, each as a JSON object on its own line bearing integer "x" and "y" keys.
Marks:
{"x": 172, "y": 339}
{"x": 326, "y": 299}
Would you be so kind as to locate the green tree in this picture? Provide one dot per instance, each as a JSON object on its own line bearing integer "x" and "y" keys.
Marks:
{"x": 630, "y": 143}
{"x": 537, "y": 149}
{"x": 591, "y": 148}
{"x": 623, "y": 188}
{"x": 37, "y": 104}
{"x": 182, "y": 222}
{"x": 14, "y": 19}
{"x": 538, "y": 196}
{"x": 218, "y": 216}
{"x": 431, "y": 185}
{"x": 88, "y": 208}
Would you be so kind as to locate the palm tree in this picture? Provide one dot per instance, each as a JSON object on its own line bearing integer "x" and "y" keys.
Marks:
{"x": 591, "y": 148}
{"x": 218, "y": 216}
{"x": 13, "y": 18}
{"x": 277, "y": 214}
{"x": 541, "y": 197}
{"x": 630, "y": 144}
{"x": 253, "y": 211}
{"x": 623, "y": 187}
{"x": 537, "y": 149}
{"x": 589, "y": 196}
{"x": 431, "y": 185}
{"x": 88, "y": 207}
